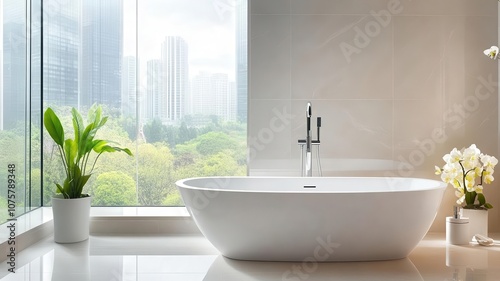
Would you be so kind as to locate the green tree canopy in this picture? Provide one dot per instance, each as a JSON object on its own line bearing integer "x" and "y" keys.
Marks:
{"x": 155, "y": 173}
{"x": 114, "y": 189}
{"x": 214, "y": 142}
{"x": 155, "y": 131}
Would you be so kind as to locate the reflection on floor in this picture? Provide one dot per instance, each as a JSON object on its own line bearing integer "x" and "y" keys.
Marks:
{"x": 190, "y": 258}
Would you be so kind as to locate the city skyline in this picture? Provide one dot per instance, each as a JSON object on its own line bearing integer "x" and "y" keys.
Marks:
{"x": 211, "y": 37}
{"x": 86, "y": 58}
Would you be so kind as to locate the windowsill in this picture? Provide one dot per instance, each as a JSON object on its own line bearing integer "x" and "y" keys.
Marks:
{"x": 138, "y": 212}
{"x": 37, "y": 224}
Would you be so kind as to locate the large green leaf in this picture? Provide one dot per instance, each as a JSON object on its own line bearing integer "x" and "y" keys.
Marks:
{"x": 53, "y": 126}
{"x": 77, "y": 124}
{"x": 481, "y": 199}
{"x": 108, "y": 148}
{"x": 470, "y": 198}
{"x": 60, "y": 189}
{"x": 64, "y": 189}
{"x": 126, "y": 150}
{"x": 94, "y": 116}
{"x": 79, "y": 181}
{"x": 87, "y": 137}
{"x": 103, "y": 121}
{"x": 71, "y": 151}
{"x": 97, "y": 145}
{"x": 75, "y": 187}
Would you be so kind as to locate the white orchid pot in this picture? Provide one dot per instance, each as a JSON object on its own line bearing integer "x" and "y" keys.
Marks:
{"x": 478, "y": 222}
{"x": 71, "y": 219}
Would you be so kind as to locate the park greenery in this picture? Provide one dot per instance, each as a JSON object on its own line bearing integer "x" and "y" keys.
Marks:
{"x": 162, "y": 153}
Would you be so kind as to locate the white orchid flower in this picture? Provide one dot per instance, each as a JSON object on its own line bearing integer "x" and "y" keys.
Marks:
{"x": 437, "y": 170}
{"x": 488, "y": 178}
{"x": 478, "y": 189}
{"x": 489, "y": 161}
{"x": 492, "y": 52}
{"x": 447, "y": 178}
{"x": 454, "y": 156}
{"x": 471, "y": 157}
{"x": 463, "y": 169}
{"x": 451, "y": 171}
{"x": 470, "y": 183}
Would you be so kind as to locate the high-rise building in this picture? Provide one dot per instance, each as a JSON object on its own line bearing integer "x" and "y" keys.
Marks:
{"x": 1, "y": 92}
{"x": 101, "y": 52}
{"x": 175, "y": 78}
{"x": 13, "y": 94}
{"x": 200, "y": 94}
{"x": 241, "y": 60}
{"x": 153, "y": 89}
{"x": 61, "y": 44}
{"x": 219, "y": 94}
{"x": 212, "y": 94}
{"x": 129, "y": 82}
{"x": 231, "y": 102}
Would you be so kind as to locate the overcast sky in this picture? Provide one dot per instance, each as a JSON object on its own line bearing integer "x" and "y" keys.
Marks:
{"x": 206, "y": 25}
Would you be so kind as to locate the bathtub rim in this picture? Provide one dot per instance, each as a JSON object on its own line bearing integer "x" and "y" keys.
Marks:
{"x": 438, "y": 185}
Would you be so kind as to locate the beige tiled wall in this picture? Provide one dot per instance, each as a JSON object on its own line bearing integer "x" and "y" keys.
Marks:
{"x": 386, "y": 76}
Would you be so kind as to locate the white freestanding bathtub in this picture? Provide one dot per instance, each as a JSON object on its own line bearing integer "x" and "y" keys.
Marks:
{"x": 312, "y": 219}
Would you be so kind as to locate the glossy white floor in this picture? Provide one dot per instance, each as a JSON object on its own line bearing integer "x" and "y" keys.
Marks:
{"x": 133, "y": 258}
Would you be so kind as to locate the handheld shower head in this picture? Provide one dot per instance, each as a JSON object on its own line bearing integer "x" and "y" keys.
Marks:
{"x": 308, "y": 116}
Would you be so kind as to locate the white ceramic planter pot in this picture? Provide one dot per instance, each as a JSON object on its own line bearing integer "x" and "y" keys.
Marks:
{"x": 478, "y": 221}
{"x": 71, "y": 219}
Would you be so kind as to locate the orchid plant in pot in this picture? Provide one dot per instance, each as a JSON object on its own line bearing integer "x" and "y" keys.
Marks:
{"x": 70, "y": 206}
{"x": 468, "y": 170}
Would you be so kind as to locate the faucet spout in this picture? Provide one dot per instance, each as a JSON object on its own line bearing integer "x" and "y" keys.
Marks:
{"x": 308, "y": 120}
{"x": 308, "y": 164}
{"x": 307, "y": 143}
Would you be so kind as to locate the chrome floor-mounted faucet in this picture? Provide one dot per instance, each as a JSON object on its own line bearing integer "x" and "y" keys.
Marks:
{"x": 307, "y": 143}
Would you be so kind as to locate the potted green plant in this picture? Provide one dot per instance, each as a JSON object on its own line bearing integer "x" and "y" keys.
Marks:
{"x": 70, "y": 206}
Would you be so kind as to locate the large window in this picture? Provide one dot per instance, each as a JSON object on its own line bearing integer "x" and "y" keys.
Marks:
{"x": 170, "y": 74}
{"x": 20, "y": 161}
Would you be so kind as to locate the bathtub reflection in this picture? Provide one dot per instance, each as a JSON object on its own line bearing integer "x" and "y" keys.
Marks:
{"x": 228, "y": 269}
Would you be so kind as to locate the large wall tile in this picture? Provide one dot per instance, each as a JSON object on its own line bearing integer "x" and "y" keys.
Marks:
{"x": 415, "y": 121}
{"x": 341, "y": 57}
{"x": 269, "y": 129}
{"x": 269, "y": 57}
{"x": 270, "y": 7}
{"x": 337, "y": 7}
{"x": 428, "y": 51}
{"x": 449, "y": 7}
{"x": 349, "y": 129}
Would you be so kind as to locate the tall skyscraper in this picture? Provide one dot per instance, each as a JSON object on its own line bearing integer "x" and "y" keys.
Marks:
{"x": 154, "y": 89}
{"x": 241, "y": 60}
{"x": 14, "y": 64}
{"x": 61, "y": 45}
{"x": 231, "y": 102}
{"x": 1, "y": 92}
{"x": 219, "y": 93}
{"x": 200, "y": 94}
{"x": 129, "y": 82}
{"x": 212, "y": 95}
{"x": 175, "y": 73}
{"x": 101, "y": 52}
